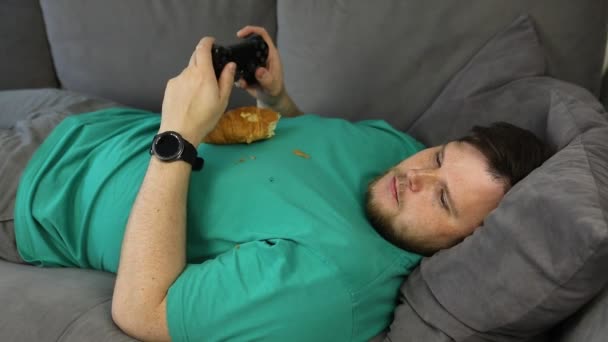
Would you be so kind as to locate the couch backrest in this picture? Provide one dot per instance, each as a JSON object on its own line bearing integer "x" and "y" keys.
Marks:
{"x": 126, "y": 51}
{"x": 382, "y": 59}
{"x": 356, "y": 59}
{"x": 25, "y": 59}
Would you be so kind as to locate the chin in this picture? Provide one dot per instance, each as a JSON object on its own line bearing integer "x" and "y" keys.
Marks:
{"x": 378, "y": 213}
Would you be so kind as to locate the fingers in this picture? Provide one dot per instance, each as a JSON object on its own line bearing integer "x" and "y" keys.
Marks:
{"x": 264, "y": 77}
{"x": 201, "y": 57}
{"x": 225, "y": 81}
{"x": 247, "y": 30}
{"x": 192, "y": 59}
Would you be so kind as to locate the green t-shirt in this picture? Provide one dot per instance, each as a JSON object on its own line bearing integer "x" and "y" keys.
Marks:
{"x": 278, "y": 244}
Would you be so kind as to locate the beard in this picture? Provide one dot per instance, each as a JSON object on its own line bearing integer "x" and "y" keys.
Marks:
{"x": 382, "y": 221}
{"x": 384, "y": 224}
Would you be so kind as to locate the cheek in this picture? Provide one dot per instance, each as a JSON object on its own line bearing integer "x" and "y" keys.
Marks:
{"x": 420, "y": 215}
{"x": 419, "y": 204}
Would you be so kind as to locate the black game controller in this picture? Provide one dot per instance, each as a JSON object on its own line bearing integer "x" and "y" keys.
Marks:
{"x": 248, "y": 56}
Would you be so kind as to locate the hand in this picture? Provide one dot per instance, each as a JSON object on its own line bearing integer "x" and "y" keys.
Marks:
{"x": 195, "y": 100}
{"x": 271, "y": 89}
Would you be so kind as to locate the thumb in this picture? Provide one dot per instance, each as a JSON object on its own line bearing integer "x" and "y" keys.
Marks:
{"x": 226, "y": 81}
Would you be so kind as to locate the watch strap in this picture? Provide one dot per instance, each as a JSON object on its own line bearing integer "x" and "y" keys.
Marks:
{"x": 190, "y": 155}
{"x": 188, "y": 152}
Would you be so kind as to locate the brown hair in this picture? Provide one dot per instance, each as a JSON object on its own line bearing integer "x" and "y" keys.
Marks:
{"x": 512, "y": 152}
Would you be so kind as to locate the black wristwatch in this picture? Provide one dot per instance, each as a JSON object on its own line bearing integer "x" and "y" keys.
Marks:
{"x": 170, "y": 146}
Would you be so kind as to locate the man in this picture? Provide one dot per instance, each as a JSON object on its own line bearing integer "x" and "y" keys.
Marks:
{"x": 262, "y": 243}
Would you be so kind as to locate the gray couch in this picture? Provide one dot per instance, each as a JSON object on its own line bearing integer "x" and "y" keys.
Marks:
{"x": 424, "y": 66}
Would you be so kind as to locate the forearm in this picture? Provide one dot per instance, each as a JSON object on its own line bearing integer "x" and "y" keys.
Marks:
{"x": 153, "y": 250}
{"x": 285, "y": 106}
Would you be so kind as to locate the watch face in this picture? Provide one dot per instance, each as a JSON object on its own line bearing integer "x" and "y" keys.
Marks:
{"x": 168, "y": 146}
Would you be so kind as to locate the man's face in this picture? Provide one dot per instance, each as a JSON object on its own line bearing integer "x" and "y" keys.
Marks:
{"x": 433, "y": 199}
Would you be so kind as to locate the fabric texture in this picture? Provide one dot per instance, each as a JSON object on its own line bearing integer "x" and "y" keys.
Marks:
{"x": 56, "y": 304}
{"x": 147, "y": 43}
{"x": 541, "y": 255}
{"x": 41, "y": 110}
{"x": 589, "y": 324}
{"x": 67, "y": 304}
{"x": 269, "y": 231}
{"x": 390, "y": 59}
{"x": 8, "y": 244}
{"x": 25, "y": 60}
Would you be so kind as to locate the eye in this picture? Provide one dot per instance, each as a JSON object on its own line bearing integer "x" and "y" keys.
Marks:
{"x": 442, "y": 198}
{"x": 444, "y": 202}
{"x": 437, "y": 159}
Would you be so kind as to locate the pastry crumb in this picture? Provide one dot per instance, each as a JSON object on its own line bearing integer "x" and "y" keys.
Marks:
{"x": 302, "y": 154}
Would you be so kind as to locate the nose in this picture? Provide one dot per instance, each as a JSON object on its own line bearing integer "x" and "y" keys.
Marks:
{"x": 419, "y": 179}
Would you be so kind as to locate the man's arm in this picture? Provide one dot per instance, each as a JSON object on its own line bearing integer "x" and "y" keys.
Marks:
{"x": 285, "y": 106}
{"x": 153, "y": 250}
{"x": 271, "y": 92}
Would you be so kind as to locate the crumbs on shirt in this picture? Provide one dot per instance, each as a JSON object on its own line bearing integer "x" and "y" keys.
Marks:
{"x": 302, "y": 154}
{"x": 244, "y": 159}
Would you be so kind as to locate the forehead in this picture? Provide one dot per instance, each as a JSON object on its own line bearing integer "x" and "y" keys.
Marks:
{"x": 466, "y": 173}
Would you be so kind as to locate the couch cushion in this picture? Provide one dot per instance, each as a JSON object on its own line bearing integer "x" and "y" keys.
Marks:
{"x": 589, "y": 324}
{"x": 25, "y": 60}
{"x": 27, "y": 104}
{"x": 390, "y": 59}
{"x": 541, "y": 254}
{"x": 59, "y": 304}
{"x": 128, "y": 50}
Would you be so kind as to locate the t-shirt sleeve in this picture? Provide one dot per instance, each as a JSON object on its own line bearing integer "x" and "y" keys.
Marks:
{"x": 261, "y": 290}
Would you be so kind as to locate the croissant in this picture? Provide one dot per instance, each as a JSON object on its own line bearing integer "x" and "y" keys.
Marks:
{"x": 244, "y": 125}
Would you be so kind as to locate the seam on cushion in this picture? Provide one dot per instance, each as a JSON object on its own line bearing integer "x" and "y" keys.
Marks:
{"x": 481, "y": 92}
{"x": 565, "y": 103}
{"x": 501, "y": 87}
{"x": 76, "y": 319}
{"x": 581, "y": 267}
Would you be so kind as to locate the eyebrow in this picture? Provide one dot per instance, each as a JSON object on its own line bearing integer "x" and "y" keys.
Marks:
{"x": 451, "y": 205}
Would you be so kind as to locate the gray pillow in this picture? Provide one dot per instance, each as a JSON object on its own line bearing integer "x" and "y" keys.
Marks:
{"x": 541, "y": 254}
{"x": 504, "y": 81}
{"x": 588, "y": 324}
